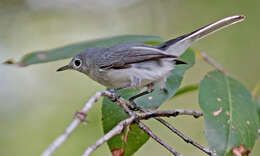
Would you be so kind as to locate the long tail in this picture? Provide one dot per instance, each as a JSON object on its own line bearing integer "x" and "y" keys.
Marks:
{"x": 178, "y": 45}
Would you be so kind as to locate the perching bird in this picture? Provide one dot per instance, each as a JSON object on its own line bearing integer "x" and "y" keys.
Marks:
{"x": 135, "y": 65}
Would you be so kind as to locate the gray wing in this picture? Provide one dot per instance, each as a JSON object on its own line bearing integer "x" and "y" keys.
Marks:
{"x": 124, "y": 57}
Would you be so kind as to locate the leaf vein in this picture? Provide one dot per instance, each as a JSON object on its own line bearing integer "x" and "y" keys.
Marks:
{"x": 231, "y": 112}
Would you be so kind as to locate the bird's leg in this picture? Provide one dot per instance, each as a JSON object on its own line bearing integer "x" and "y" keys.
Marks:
{"x": 123, "y": 87}
{"x": 117, "y": 96}
{"x": 135, "y": 81}
{"x": 164, "y": 90}
{"x": 162, "y": 85}
{"x": 150, "y": 88}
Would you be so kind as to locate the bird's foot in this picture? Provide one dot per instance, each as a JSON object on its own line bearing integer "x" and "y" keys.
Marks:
{"x": 112, "y": 90}
{"x": 115, "y": 95}
{"x": 133, "y": 106}
{"x": 164, "y": 90}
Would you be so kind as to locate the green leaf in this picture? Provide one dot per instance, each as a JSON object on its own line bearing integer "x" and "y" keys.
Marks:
{"x": 187, "y": 89}
{"x": 71, "y": 50}
{"x": 113, "y": 114}
{"x": 230, "y": 113}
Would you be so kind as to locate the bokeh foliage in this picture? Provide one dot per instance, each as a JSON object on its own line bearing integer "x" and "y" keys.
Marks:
{"x": 36, "y": 103}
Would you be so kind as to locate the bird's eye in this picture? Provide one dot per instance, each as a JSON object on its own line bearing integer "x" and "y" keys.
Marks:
{"x": 77, "y": 63}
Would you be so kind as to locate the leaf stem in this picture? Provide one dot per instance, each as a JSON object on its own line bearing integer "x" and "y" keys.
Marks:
{"x": 209, "y": 60}
{"x": 256, "y": 90}
{"x": 186, "y": 89}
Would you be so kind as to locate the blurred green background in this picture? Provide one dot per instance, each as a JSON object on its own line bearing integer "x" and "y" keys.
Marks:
{"x": 36, "y": 103}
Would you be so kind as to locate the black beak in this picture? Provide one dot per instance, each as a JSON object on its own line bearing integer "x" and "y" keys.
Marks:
{"x": 63, "y": 68}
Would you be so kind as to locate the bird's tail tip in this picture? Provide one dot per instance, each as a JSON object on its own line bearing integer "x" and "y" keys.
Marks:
{"x": 239, "y": 17}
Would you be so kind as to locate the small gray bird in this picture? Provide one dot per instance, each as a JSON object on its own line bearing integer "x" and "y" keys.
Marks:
{"x": 135, "y": 65}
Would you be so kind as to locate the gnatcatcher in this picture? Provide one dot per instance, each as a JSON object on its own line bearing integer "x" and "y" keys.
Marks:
{"x": 135, "y": 65}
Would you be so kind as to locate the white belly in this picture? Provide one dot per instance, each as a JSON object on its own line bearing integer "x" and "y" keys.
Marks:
{"x": 145, "y": 72}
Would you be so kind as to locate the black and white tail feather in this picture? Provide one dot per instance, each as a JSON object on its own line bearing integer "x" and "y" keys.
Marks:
{"x": 178, "y": 45}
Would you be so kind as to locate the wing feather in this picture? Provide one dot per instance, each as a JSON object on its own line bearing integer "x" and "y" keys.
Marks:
{"x": 136, "y": 54}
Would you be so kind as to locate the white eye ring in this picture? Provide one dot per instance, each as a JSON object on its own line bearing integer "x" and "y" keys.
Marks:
{"x": 77, "y": 63}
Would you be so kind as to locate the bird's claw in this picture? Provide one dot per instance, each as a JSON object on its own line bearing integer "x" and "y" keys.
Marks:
{"x": 164, "y": 90}
{"x": 115, "y": 95}
{"x": 133, "y": 106}
{"x": 112, "y": 90}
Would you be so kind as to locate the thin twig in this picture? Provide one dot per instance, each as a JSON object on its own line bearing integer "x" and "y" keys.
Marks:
{"x": 212, "y": 62}
{"x": 118, "y": 129}
{"x": 125, "y": 104}
{"x": 140, "y": 116}
{"x": 80, "y": 116}
{"x": 156, "y": 138}
{"x": 181, "y": 135}
{"x": 115, "y": 131}
{"x": 122, "y": 103}
{"x": 185, "y": 138}
{"x": 134, "y": 117}
{"x": 169, "y": 113}
{"x": 72, "y": 126}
